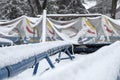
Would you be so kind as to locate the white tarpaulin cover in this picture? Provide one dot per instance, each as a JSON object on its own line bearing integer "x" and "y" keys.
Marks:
{"x": 79, "y": 30}
{"x": 23, "y": 26}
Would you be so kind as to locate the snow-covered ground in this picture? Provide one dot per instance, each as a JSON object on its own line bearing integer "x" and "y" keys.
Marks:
{"x": 104, "y": 64}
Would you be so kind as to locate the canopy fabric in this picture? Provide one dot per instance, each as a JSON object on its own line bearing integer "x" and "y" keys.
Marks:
{"x": 79, "y": 30}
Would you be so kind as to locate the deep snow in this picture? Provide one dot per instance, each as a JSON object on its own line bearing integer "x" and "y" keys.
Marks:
{"x": 104, "y": 64}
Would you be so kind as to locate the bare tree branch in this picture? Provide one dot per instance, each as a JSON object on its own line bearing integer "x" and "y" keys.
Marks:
{"x": 44, "y": 4}
{"x": 32, "y": 9}
{"x": 39, "y": 8}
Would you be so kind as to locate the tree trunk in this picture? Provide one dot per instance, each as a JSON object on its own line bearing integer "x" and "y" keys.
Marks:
{"x": 44, "y": 4}
{"x": 39, "y": 9}
{"x": 35, "y": 7}
{"x": 113, "y": 10}
{"x": 32, "y": 9}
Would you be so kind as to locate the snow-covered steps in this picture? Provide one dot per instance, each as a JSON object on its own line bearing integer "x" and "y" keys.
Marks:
{"x": 15, "y": 59}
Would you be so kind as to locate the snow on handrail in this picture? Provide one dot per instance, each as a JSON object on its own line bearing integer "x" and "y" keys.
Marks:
{"x": 14, "y": 54}
{"x": 74, "y": 15}
{"x": 15, "y": 59}
{"x": 71, "y": 15}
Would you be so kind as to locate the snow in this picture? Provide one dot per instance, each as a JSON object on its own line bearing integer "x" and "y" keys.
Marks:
{"x": 14, "y": 54}
{"x": 6, "y": 40}
{"x": 100, "y": 65}
{"x": 104, "y": 64}
{"x": 118, "y": 4}
{"x": 89, "y": 4}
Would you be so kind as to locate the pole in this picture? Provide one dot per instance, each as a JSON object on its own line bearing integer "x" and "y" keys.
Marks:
{"x": 102, "y": 24}
{"x": 44, "y": 26}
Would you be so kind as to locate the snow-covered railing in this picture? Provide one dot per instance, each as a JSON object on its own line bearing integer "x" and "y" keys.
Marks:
{"x": 67, "y": 27}
{"x": 15, "y": 59}
{"x": 5, "y": 42}
{"x": 73, "y": 15}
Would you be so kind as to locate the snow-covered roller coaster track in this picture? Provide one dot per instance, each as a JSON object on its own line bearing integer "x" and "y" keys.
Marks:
{"x": 15, "y": 59}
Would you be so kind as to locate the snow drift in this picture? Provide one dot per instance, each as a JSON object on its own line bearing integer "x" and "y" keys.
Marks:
{"x": 103, "y": 64}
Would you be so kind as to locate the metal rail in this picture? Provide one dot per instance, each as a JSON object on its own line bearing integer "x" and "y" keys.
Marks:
{"x": 14, "y": 69}
{"x": 73, "y": 15}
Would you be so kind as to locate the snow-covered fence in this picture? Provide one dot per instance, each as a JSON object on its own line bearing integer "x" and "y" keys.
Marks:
{"x": 84, "y": 28}
{"x": 15, "y": 59}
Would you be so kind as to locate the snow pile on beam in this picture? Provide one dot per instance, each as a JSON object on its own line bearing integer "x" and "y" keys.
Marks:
{"x": 14, "y": 54}
{"x": 4, "y": 40}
